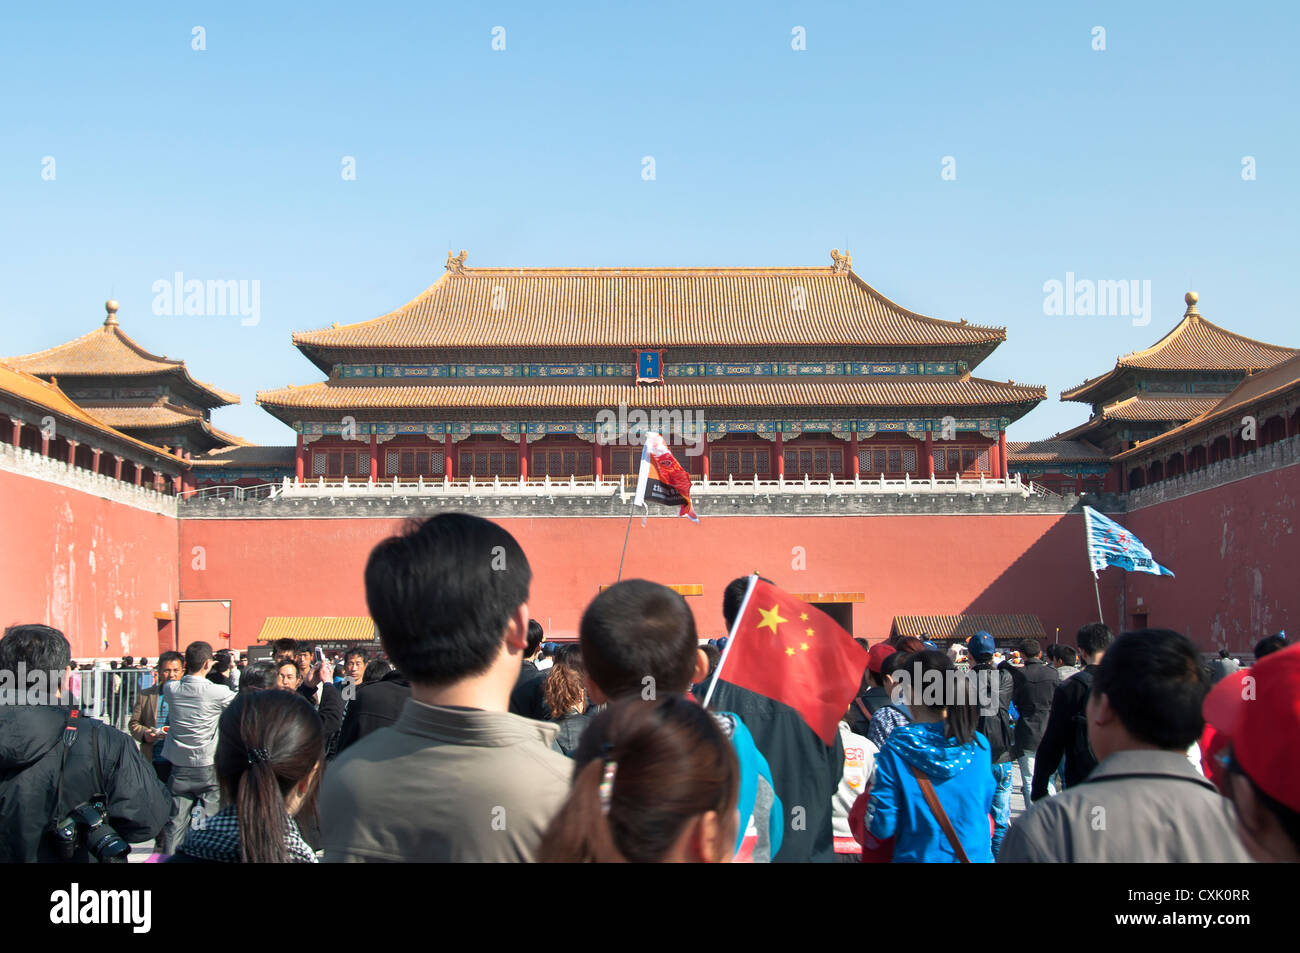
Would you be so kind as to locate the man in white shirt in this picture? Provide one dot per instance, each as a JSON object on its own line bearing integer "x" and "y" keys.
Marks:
{"x": 194, "y": 707}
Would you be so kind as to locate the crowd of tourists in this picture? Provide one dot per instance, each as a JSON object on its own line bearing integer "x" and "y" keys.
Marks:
{"x": 474, "y": 739}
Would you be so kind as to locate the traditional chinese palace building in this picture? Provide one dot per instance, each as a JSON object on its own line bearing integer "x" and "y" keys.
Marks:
{"x": 141, "y": 394}
{"x": 1183, "y": 376}
{"x": 773, "y": 372}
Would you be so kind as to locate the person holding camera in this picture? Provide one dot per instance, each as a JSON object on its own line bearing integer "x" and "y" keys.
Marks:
{"x": 72, "y": 789}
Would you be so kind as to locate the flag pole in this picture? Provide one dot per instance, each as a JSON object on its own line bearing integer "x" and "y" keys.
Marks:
{"x": 731, "y": 638}
{"x": 1087, "y": 552}
{"x": 630, "y": 513}
{"x": 1101, "y": 616}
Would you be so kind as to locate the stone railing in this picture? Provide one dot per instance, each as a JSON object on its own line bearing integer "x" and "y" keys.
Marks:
{"x": 1273, "y": 456}
{"x": 624, "y": 487}
{"x": 58, "y": 472}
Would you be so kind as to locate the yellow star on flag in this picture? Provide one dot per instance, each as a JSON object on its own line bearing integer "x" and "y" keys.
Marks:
{"x": 803, "y": 616}
{"x": 804, "y": 646}
{"x": 771, "y": 618}
{"x": 810, "y": 631}
{"x": 789, "y": 651}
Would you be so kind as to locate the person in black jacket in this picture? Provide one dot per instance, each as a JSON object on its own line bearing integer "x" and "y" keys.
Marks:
{"x": 995, "y": 725}
{"x": 1033, "y": 697}
{"x": 526, "y": 697}
{"x": 376, "y": 705}
{"x": 53, "y": 763}
{"x": 1066, "y": 734}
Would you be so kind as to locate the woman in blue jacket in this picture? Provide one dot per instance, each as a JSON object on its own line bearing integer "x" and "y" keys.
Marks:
{"x": 943, "y": 745}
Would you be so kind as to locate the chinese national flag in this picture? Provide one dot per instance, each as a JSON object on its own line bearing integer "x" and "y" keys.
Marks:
{"x": 787, "y": 650}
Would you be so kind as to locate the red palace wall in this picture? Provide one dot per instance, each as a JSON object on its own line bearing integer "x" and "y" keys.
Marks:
{"x": 95, "y": 569}
{"x": 904, "y": 564}
{"x": 1235, "y": 550}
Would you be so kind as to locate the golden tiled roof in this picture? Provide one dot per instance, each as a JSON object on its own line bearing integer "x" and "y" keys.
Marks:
{"x": 311, "y": 628}
{"x": 107, "y": 351}
{"x": 249, "y": 455}
{"x": 648, "y": 307}
{"x": 159, "y": 416}
{"x": 1193, "y": 344}
{"x": 1054, "y": 451}
{"x": 927, "y": 391}
{"x": 1149, "y": 407}
{"x": 1257, "y": 387}
{"x": 33, "y": 390}
{"x": 962, "y": 627}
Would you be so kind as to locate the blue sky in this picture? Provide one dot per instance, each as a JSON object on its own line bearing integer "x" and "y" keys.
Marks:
{"x": 225, "y": 163}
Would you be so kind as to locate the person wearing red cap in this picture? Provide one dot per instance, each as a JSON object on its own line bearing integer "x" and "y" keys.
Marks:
{"x": 1144, "y": 802}
{"x": 1258, "y": 712}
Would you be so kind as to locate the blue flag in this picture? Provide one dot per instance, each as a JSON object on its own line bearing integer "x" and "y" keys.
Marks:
{"x": 1110, "y": 544}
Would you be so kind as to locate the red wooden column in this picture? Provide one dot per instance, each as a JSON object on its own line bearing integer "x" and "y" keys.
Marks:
{"x": 995, "y": 461}
{"x": 927, "y": 471}
{"x": 117, "y": 467}
{"x": 1002, "y": 451}
{"x": 298, "y": 458}
{"x": 16, "y": 437}
{"x": 704, "y": 442}
{"x": 1078, "y": 483}
{"x": 523, "y": 457}
{"x": 45, "y": 442}
{"x": 94, "y": 459}
{"x": 780, "y": 456}
{"x": 449, "y": 457}
{"x": 72, "y": 452}
{"x": 139, "y": 473}
{"x": 853, "y": 452}
{"x": 600, "y": 461}
{"x": 374, "y": 456}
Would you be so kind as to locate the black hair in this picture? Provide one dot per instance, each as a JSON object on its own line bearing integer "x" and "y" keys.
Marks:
{"x": 734, "y": 595}
{"x": 535, "y": 637}
{"x": 197, "y": 655}
{"x": 637, "y": 629}
{"x": 1154, "y": 680}
{"x": 281, "y": 646}
{"x": 959, "y": 691}
{"x": 375, "y": 670}
{"x": 259, "y": 676}
{"x": 714, "y": 657}
{"x": 353, "y": 653}
{"x": 1287, "y": 818}
{"x": 1270, "y": 644}
{"x": 1067, "y": 655}
{"x": 1093, "y": 638}
{"x": 39, "y": 647}
{"x": 442, "y": 593}
{"x": 1031, "y": 648}
{"x": 171, "y": 657}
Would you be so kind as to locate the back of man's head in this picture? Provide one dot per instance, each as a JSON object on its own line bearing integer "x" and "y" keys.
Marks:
{"x": 637, "y": 629}
{"x": 442, "y": 594}
{"x": 38, "y": 647}
{"x": 1067, "y": 655}
{"x": 1093, "y": 638}
{"x": 1030, "y": 648}
{"x": 197, "y": 655}
{"x": 734, "y": 595}
{"x": 535, "y": 637}
{"x": 1154, "y": 682}
{"x": 1270, "y": 644}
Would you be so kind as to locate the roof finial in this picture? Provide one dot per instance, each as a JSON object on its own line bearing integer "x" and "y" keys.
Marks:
{"x": 1191, "y": 298}
{"x": 111, "y": 307}
{"x": 456, "y": 264}
{"x": 842, "y": 263}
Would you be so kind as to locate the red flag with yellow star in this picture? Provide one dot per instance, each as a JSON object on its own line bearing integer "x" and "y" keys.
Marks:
{"x": 787, "y": 650}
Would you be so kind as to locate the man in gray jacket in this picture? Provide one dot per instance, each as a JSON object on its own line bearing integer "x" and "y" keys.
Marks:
{"x": 456, "y": 777}
{"x": 1144, "y": 802}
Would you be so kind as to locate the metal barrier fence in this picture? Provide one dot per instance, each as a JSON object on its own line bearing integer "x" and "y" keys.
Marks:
{"x": 109, "y": 694}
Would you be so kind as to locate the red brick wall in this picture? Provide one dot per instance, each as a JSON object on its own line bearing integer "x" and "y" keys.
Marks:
{"x": 1235, "y": 551}
{"x": 94, "y": 569}
{"x": 905, "y": 565}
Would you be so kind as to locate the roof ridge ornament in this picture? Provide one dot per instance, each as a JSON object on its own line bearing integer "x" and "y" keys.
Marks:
{"x": 111, "y": 307}
{"x": 1191, "y": 298}
{"x": 456, "y": 263}
{"x": 841, "y": 263}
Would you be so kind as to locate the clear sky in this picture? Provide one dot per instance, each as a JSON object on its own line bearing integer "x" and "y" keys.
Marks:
{"x": 226, "y": 163}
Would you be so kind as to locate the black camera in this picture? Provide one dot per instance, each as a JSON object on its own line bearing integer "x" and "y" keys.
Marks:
{"x": 89, "y": 820}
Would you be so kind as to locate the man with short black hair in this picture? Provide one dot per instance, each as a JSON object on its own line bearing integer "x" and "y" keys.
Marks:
{"x": 282, "y": 649}
{"x": 194, "y": 706}
{"x": 1144, "y": 802}
{"x": 449, "y": 597}
{"x": 526, "y": 697}
{"x": 52, "y": 763}
{"x": 1066, "y": 733}
{"x": 1033, "y": 697}
{"x": 149, "y": 715}
{"x": 996, "y": 726}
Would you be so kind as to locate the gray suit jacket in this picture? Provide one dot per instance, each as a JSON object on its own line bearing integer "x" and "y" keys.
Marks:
{"x": 1135, "y": 807}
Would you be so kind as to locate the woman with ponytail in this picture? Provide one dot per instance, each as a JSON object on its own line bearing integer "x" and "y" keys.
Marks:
{"x": 270, "y": 756}
{"x": 653, "y": 782}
